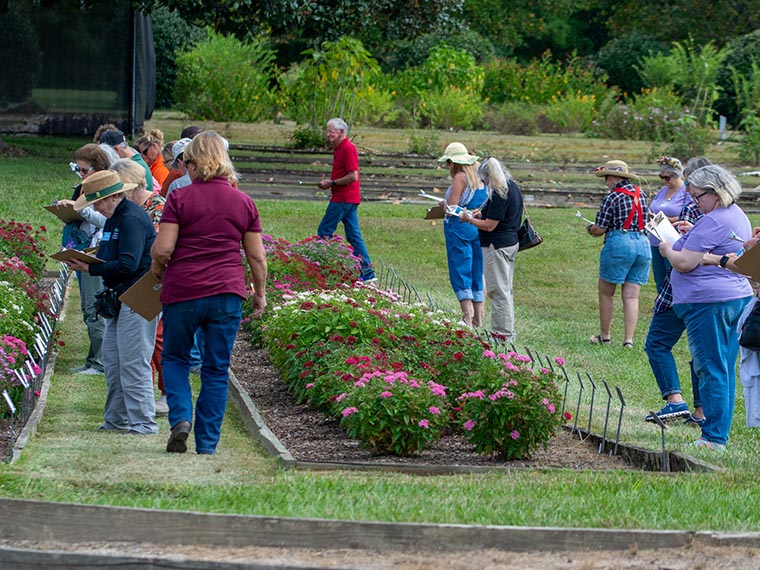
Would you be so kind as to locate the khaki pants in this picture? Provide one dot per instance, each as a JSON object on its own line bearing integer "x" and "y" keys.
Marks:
{"x": 499, "y": 269}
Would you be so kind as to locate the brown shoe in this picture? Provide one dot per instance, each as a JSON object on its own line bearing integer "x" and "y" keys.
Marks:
{"x": 178, "y": 438}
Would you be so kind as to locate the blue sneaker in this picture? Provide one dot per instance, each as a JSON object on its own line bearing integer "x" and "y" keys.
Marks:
{"x": 703, "y": 443}
{"x": 671, "y": 411}
{"x": 694, "y": 422}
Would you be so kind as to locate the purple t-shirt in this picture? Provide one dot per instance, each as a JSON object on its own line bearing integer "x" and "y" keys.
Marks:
{"x": 709, "y": 283}
{"x": 671, "y": 208}
{"x": 212, "y": 218}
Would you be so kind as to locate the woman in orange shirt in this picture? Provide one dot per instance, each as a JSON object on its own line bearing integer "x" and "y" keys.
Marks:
{"x": 150, "y": 147}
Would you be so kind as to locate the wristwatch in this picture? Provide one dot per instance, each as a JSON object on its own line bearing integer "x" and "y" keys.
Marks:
{"x": 332, "y": 183}
{"x": 723, "y": 261}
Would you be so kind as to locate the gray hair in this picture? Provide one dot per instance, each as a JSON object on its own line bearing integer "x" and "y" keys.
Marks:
{"x": 713, "y": 178}
{"x": 695, "y": 163}
{"x": 495, "y": 176}
{"x": 339, "y": 124}
{"x": 109, "y": 150}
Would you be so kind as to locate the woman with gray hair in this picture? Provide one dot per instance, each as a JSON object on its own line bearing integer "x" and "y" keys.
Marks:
{"x": 709, "y": 299}
{"x": 497, "y": 222}
{"x": 670, "y": 200}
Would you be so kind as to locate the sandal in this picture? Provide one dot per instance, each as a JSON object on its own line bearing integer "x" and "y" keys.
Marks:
{"x": 597, "y": 339}
{"x": 628, "y": 344}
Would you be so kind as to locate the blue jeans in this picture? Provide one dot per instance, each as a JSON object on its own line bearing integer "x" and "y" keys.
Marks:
{"x": 665, "y": 331}
{"x": 625, "y": 258}
{"x": 660, "y": 268}
{"x": 348, "y": 214}
{"x": 714, "y": 345}
{"x": 219, "y": 318}
{"x": 196, "y": 352}
{"x": 465, "y": 258}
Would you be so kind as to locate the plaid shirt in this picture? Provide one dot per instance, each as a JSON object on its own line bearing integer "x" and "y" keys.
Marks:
{"x": 616, "y": 207}
{"x": 664, "y": 300}
{"x": 154, "y": 206}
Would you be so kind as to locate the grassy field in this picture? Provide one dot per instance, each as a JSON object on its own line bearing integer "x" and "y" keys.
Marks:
{"x": 555, "y": 297}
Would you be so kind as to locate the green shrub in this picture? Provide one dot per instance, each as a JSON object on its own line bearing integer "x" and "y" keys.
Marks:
{"x": 339, "y": 80}
{"x": 573, "y": 114}
{"x": 424, "y": 142}
{"x": 20, "y": 58}
{"x": 619, "y": 57}
{"x": 743, "y": 51}
{"x": 450, "y": 109}
{"x": 308, "y": 137}
{"x": 749, "y": 149}
{"x": 512, "y": 118}
{"x": 171, "y": 36}
{"x": 223, "y": 79}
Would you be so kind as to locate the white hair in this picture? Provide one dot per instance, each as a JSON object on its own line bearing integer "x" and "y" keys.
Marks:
{"x": 339, "y": 124}
{"x": 495, "y": 176}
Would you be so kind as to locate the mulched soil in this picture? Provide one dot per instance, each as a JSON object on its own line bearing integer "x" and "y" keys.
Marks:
{"x": 311, "y": 436}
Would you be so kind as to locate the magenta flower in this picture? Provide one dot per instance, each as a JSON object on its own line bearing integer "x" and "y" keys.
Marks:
{"x": 559, "y": 360}
{"x": 424, "y": 424}
{"x": 386, "y": 394}
{"x": 341, "y": 397}
{"x": 515, "y": 434}
{"x": 433, "y": 410}
{"x": 349, "y": 411}
{"x": 489, "y": 354}
{"x": 469, "y": 424}
{"x": 309, "y": 385}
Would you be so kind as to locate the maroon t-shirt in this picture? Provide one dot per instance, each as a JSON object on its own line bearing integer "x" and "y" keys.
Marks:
{"x": 212, "y": 218}
{"x": 345, "y": 160}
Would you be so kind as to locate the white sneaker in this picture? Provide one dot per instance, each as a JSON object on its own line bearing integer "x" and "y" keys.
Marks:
{"x": 91, "y": 371}
{"x": 78, "y": 368}
{"x": 161, "y": 406}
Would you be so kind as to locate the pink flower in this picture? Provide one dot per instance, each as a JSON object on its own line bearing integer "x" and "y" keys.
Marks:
{"x": 551, "y": 408}
{"x": 309, "y": 385}
{"x": 515, "y": 434}
{"x": 341, "y": 397}
{"x": 469, "y": 424}
{"x": 424, "y": 424}
{"x": 545, "y": 371}
{"x": 433, "y": 410}
{"x": 489, "y": 354}
{"x": 559, "y": 360}
{"x": 349, "y": 411}
{"x": 386, "y": 394}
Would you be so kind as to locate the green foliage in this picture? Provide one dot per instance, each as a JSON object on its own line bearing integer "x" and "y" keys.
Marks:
{"x": 512, "y": 118}
{"x": 697, "y": 79}
{"x": 571, "y": 114}
{"x": 308, "y": 137}
{"x": 223, "y": 79}
{"x": 744, "y": 51}
{"x": 333, "y": 82}
{"x": 749, "y": 150}
{"x": 20, "y": 58}
{"x": 414, "y": 51}
{"x": 450, "y": 109}
{"x": 541, "y": 80}
{"x": 171, "y": 36}
{"x": 620, "y": 56}
{"x": 424, "y": 142}
{"x": 511, "y": 410}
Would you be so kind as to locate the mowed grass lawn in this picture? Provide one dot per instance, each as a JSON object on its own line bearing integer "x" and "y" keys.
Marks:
{"x": 556, "y": 306}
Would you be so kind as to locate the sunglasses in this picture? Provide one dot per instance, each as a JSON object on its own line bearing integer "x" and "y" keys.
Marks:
{"x": 78, "y": 169}
{"x": 665, "y": 178}
{"x": 144, "y": 150}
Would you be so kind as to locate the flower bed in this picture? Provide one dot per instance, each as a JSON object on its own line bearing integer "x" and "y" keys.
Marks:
{"x": 399, "y": 375}
{"x": 27, "y": 321}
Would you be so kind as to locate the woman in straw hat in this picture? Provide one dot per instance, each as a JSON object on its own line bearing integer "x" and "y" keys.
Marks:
{"x": 463, "y": 253}
{"x": 128, "y": 341}
{"x": 626, "y": 255}
{"x": 709, "y": 299}
{"x": 197, "y": 256}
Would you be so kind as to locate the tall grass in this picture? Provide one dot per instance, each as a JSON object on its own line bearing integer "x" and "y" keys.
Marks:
{"x": 556, "y": 312}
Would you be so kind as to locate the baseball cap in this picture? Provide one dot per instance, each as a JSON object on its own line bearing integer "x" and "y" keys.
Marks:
{"x": 113, "y": 137}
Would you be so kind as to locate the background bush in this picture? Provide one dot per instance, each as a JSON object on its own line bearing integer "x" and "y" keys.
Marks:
{"x": 20, "y": 58}
{"x": 223, "y": 79}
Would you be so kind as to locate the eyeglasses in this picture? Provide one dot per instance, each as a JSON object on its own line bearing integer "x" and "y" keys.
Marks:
{"x": 665, "y": 178}
{"x": 696, "y": 198}
{"x": 144, "y": 150}
{"x": 331, "y": 131}
{"x": 76, "y": 169}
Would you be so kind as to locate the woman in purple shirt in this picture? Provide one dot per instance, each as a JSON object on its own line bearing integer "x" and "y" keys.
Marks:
{"x": 710, "y": 299}
{"x": 670, "y": 200}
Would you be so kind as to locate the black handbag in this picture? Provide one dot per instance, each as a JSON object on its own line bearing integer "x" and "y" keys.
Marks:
{"x": 750, "y": 336}
{"x": 107, "y": 303}
{"x": 527, "y": 236}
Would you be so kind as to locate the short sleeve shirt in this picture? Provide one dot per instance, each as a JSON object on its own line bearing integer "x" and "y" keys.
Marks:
{"x": 509, "y": 213}
{"x": 345, "y": 160}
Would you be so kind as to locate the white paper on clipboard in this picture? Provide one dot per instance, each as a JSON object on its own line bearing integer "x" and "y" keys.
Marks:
{"x": 661, "y": 228}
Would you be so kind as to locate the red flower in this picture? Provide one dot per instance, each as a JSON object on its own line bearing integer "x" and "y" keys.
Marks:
{"x": 458, "y": 356}
{"x": 568, "y": 416}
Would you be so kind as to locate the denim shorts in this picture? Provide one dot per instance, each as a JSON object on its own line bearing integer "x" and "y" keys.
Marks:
{"x": 625, "y": 258}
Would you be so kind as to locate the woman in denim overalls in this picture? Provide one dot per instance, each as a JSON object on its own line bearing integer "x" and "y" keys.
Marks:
{"x": 465, "y": 258}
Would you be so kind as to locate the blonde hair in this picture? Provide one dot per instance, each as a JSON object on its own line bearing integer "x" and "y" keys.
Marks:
{"x": 470, "y": 172}
{"x": 208, "y": 152}
{"x": 155, "y": 136}
{"x": 130, "y": 172}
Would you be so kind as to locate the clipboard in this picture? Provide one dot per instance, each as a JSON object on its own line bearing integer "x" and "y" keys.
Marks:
{"x": 143, "y": 297}
{"x": 69, "y": 254}
{"x": 66, "y": 213}
{"x": 434, "y": 213}
{"x": 749, "y": 263}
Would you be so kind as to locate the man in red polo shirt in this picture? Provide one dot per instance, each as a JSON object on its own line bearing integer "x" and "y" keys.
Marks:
{"x": 346, "y": 194}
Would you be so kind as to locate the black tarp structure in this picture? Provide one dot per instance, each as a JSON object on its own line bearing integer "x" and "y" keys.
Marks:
{"x": 68, "y": 66}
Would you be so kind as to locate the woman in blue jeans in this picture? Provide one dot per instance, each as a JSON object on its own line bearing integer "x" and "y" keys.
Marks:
{"x": 463, "y": 252}
{"x": 710, "y": 299}
{"x": 197, "y": 257}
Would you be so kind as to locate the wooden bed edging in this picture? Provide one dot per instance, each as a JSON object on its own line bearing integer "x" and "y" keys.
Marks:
{"x": 24, "y": 519}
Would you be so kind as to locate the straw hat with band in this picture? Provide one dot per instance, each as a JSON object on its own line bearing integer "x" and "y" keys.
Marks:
{"x": 615, "y": 168}
{"x": 457, "y": 153}
{"x": 100, "y": 185}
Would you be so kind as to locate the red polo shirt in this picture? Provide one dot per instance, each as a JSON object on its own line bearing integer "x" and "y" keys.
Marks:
{"x": 345, "y": 160}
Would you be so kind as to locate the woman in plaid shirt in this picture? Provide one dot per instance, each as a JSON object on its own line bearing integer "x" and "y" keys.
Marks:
{"x": 626, "y": 254}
